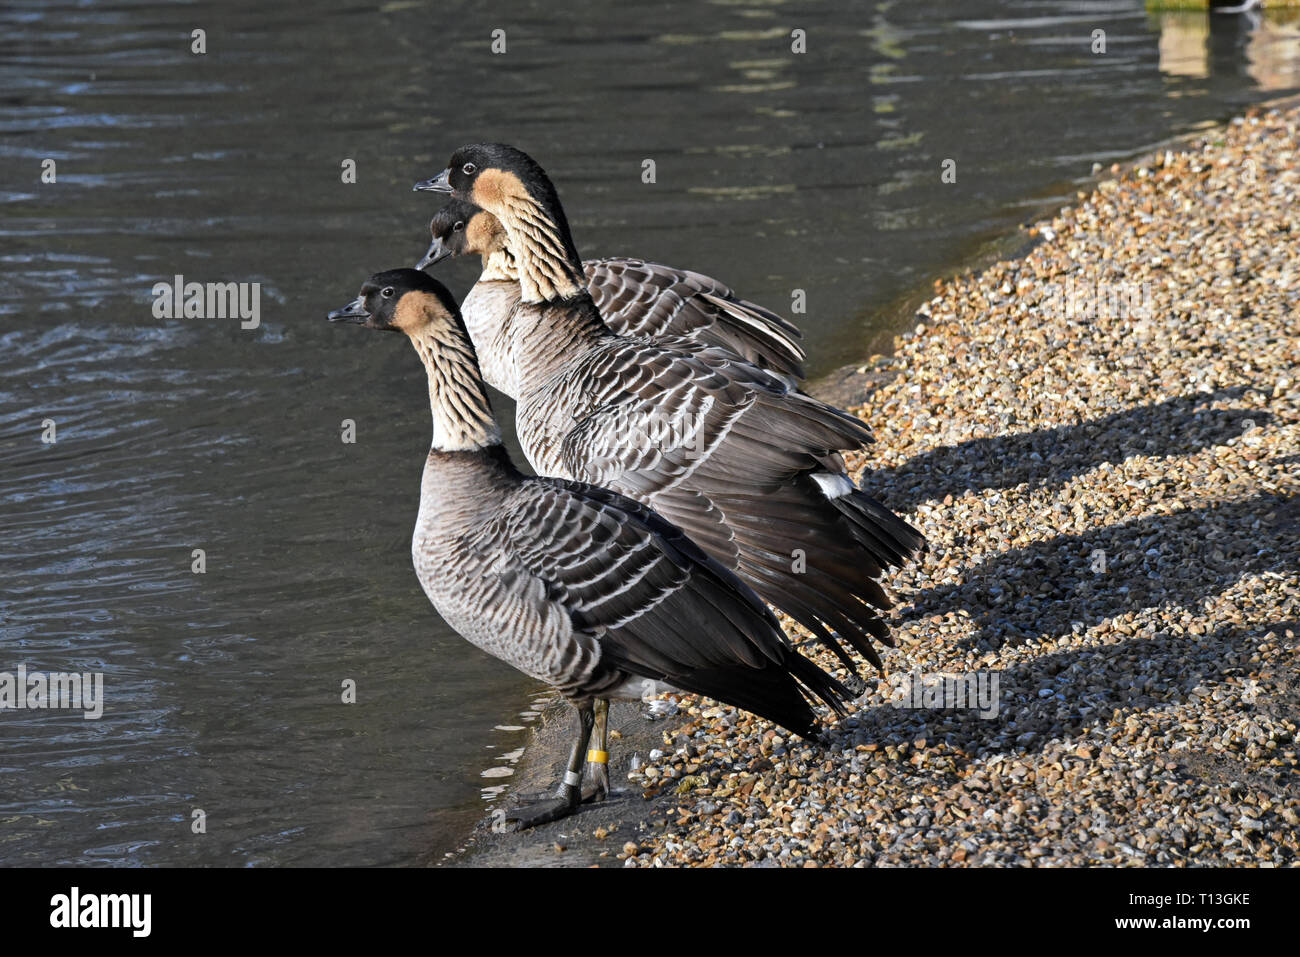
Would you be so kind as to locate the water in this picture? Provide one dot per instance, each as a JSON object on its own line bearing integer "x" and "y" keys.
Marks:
{"x": 775, "y": 171}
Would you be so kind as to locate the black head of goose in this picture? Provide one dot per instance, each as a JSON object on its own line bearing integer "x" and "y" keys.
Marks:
{"x": 750, "y": 470}
{"x": 634, "y": 297}
{"x": 575, "y": 585}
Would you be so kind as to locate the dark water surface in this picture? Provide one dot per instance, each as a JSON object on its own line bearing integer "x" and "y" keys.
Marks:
{"x": 775, "y": 171}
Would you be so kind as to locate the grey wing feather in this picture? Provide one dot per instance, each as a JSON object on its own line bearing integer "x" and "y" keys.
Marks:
{"x": 655, "y": 410}
{"x": 638, "y": 298}
{"x": 658, "y": 606}
{"x": 751, "y": 470}
{"x": 611, "y": 564}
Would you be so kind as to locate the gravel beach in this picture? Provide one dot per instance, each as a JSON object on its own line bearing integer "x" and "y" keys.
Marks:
{"x": 1101, "y": 441}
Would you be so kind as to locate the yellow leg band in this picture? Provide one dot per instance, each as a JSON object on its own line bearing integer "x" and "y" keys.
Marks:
{"x": 597, "y": 757}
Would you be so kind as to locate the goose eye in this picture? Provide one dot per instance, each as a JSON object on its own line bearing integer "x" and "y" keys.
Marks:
{"x": 387, "y": 292}
{"x": 468, "y": 169}
{"x": 458, "y": 226}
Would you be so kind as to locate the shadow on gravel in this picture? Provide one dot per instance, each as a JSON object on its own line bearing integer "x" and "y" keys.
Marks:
{"x": 1178, "y": 426}
{"x": 1066, "y": 694}
{"x": 1072, "y": 582}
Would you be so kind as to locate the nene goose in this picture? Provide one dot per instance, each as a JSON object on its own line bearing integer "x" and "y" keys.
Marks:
{"x": 750, "y": 470}
{"x": 634, "y": 297}
{"x": 572, "y": 584}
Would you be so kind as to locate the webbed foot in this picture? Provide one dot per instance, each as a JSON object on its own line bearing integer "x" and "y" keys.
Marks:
{"x": 542, "y": 812}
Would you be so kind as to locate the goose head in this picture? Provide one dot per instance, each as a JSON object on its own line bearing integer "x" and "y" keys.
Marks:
{"x": 400, "y": 300}
{"x": 511, "y": 186}
{"x": 490, "y": 174}
{"x": 461, "y": 229}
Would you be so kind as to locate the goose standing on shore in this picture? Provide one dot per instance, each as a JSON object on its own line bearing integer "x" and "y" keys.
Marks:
{"x": 634, "y": 297}
{"x": 572, "y": 584}
{"x": 750, "y": 470}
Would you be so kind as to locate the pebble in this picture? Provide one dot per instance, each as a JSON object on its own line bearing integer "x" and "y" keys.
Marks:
{"x": 1110, "y": 497}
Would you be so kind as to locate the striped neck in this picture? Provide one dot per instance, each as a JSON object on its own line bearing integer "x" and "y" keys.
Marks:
{"x": 543, "y": 252}
{"x": 499, "y": 266}
{"x": 462, "y": 416}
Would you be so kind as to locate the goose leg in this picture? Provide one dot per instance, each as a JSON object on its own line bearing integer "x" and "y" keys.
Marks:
{"x": 598, "y": 756}
{"x": 569, "y": 797}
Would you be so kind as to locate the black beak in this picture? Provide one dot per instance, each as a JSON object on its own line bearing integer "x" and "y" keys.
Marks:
{"x": 436, "y": 254}
{"x": 354, "y": 312}
{"x": 439, "y": 184}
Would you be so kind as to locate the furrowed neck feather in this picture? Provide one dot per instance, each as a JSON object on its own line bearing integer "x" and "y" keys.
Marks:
{"x": 537, "y": 237}
{"x": 462, "y": 416}
{"x": 499, "y": 265}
